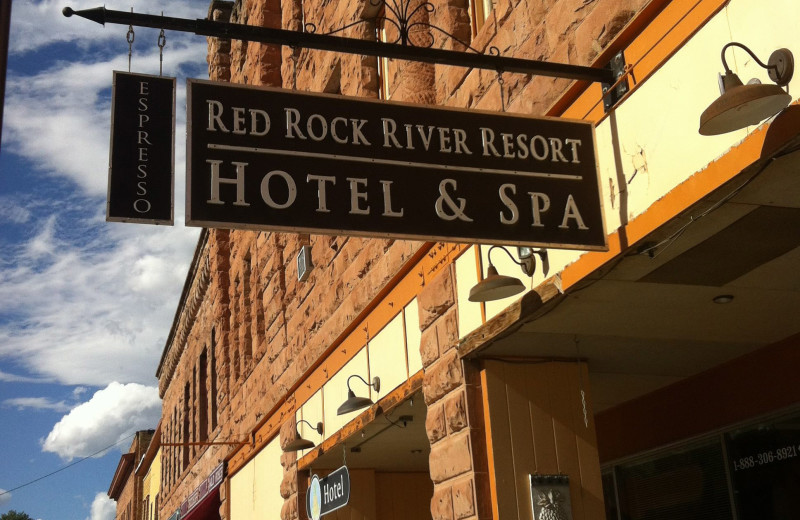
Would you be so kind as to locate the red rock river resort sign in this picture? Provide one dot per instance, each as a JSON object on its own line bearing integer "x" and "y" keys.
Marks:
{"x": 270, "y": 159}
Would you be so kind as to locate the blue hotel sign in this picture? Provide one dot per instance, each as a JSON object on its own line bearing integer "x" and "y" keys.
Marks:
{"x": 328, "y": 494}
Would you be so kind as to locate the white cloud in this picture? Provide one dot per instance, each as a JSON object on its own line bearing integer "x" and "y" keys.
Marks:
{"x": 5, "y": 377}
{"x": 110, "y": 416}
{"x": 37, "y": 403}
{"x": 103, "y": 508}
{"x": 96, "y": 309}
{"x": 59, "y": 118}
{"x": 13, "y": 212}
{"x": 5, "y": 496}
{"x": 43, "y": 244}
{"x": 83, "y": 302}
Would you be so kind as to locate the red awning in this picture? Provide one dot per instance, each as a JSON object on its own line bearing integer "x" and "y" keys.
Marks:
{"x": 203, "y": 503}
{"x": 207, "y": 509}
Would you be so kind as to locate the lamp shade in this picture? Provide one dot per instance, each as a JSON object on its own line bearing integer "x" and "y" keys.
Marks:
{"x": 742, "y": 105}
{"x": 298, "y": 444}
{"x": 495, "y": 287}
{"x": 353, "y": 403}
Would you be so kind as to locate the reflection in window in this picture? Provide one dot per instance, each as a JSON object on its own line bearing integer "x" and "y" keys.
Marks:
{"x": 478, "y": 13}
{"x": 687, "y": 483}
{"x": 752, "y": 470}
{"x": 764, "y": 462}
{"x": 383, "y": 62}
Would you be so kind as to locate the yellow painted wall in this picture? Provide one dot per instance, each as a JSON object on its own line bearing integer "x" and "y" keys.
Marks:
{"x": 413, "y": 336}
{"x": 469, "y": 314}
{"x": 151, "y": 484}
{"x": 255, "y": 489}
{"x": 649, "y": 144}
{"x": 387, "y": 355}
{"x": 311, "y": 411}
{"x": 334, "y": 392}
{"x": 392, "y": 354}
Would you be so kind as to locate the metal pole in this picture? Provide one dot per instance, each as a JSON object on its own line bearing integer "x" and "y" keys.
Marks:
{"x": 5, "y": 25}
{"x": 325, "y": 42}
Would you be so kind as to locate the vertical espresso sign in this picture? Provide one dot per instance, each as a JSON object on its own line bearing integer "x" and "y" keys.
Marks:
{"x": 142, "y": 162}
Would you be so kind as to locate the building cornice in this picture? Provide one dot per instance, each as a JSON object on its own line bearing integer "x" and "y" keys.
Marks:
{"x": 193, "y": 292}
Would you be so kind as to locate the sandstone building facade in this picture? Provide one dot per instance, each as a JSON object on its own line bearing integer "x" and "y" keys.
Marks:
{"x": 611, "y": 367}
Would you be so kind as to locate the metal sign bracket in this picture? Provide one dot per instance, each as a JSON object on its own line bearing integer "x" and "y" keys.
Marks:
{"x": 310, "y": 40}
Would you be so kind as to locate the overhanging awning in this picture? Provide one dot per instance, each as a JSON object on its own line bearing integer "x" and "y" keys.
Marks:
{"x": 203, "y": 503}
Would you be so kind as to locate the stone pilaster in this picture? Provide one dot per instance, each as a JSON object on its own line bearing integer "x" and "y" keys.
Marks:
{"x": 457, "y": 461}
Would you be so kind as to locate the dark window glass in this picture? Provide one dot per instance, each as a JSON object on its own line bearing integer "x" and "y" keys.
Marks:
{"x": 682, "y": 484}
{"x": 610, "y": 495}
{"x": 764, "y": 462}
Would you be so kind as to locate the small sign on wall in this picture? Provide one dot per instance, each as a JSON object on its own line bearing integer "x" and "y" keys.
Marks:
{"x": 550, "y": 497}
{"x": 142, "y": 160}
{"x": 328, "y": 494}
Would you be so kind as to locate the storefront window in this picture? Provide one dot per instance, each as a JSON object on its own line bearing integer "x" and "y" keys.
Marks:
{"x": 752, "y": 471}
{"x": 683, "y": 484}
{"x": 764, "y": 462}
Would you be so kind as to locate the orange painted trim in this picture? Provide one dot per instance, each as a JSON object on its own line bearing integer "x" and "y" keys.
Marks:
{"x": 489, "y": 446}
{"x": 646, "y": 47}
{"x": 399, "y": 292}
{"x": 689, "y": 192}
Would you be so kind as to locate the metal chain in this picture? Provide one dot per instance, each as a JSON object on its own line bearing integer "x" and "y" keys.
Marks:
{"x": 501, "y": 82}
{"x": 130, "y": 36}
{"x": 162, "y": 42}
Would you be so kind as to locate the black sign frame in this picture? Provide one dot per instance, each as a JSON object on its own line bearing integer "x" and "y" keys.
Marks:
{"x": 141, "y": 167}
{"x": 271, "y": 159}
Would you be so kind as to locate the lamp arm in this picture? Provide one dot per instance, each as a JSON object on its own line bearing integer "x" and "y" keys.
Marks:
{"x": 527, "y": 268}
{"x": 308, "y": 423}
{"x": 489, "y": 255}
{"x": 358, "y": 376}
{"x": 746, "y": 49}
{"x": 317, "y": 427}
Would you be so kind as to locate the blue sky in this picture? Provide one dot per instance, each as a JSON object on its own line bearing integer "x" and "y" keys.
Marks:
{"x": 85, "y": 305}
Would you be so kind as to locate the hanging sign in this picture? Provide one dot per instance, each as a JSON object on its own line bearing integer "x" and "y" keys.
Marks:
{"x": 270, "y": 159}
{"x": 328, "y": 494}
{"x": 142, "y": 161}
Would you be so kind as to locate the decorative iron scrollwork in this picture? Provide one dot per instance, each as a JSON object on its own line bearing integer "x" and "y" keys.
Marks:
{"x": 404, "y": 19}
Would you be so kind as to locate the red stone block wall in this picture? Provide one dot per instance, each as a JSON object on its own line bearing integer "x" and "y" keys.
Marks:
{"x": 261, "y": 329}
{"x": 451, "y": 387}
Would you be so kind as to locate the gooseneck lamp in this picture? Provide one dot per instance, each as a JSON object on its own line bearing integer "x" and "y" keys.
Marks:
{"x": 742, "y": 105}
{"x": 354, "y": 403}
{"x": 299, "y": 443}
{"x": 498, "y": 286}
